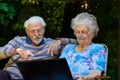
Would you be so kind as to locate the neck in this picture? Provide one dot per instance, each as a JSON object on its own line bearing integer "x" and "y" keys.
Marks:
{"x": 81, "y": 47}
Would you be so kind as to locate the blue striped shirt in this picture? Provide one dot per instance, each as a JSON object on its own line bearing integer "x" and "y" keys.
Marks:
{"x": 24, "y": 42}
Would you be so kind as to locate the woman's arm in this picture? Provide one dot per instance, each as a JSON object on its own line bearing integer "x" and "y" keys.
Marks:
{"x": 91, "y": 76}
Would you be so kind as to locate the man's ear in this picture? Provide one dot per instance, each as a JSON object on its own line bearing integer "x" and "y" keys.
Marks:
{"x": 26, "y": 31}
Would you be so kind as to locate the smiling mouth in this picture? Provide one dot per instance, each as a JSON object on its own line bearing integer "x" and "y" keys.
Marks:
{"x": 82, "y": 38}
{"x": 37, "y": 37}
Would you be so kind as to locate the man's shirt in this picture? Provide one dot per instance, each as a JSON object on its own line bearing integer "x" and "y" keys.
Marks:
{"x": 25, "y": 43}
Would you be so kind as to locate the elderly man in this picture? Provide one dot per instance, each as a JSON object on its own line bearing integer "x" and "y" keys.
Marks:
{"x": 32, "y": 46}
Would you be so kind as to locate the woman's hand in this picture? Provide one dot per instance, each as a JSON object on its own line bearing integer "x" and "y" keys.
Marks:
{"x": 24, "y": 53}
{"x": 79, "y": 77}
{"x": 91, "y": 76}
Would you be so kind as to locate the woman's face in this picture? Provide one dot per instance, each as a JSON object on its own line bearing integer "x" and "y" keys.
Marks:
{"x": 83, "y": 34}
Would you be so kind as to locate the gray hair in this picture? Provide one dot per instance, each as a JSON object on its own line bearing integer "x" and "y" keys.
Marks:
{"x": 87, "y": 19}
{"x": 34, "y": 19}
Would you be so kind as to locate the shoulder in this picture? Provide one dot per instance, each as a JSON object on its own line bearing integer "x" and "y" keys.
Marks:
{"x": 20, "y": 38}
{"x": 98, "y": 48}
{"x": 70, "y": 46}
{"x": 48, "y": 40}
{"x": 98, "y": 45}
{"x": 68, "y": 49}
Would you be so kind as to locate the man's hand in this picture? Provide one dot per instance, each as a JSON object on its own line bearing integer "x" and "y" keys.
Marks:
{"x": 24, "y": 53}
{"x": 53, "y": 47}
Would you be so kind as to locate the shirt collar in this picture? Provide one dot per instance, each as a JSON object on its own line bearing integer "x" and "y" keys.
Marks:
{"x": 28, "y": 41}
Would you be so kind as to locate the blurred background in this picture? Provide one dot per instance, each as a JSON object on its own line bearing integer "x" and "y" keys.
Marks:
{"x": 58, "y": 15}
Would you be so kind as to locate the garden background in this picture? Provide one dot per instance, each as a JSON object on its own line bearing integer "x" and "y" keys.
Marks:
{"x": 58, "y": 14}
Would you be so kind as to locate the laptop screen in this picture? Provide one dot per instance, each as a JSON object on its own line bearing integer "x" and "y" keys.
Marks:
{"x": 45, "y": 69}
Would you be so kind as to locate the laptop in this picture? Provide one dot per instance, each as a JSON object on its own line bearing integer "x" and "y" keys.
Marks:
{"x": 45, "y": 69}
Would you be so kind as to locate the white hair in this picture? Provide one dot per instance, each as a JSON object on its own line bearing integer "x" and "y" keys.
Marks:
{"x": 34, "y": 19}
{"x": 85, "y": 19}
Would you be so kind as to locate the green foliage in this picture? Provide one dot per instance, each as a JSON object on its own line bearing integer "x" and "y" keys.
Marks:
{"x": 52, "y": 11}
{"x": 109, "y": 12}
{"x": 18, "y": 27}
{"x": 111, "y": 37}
{"x": 6, "y": 13}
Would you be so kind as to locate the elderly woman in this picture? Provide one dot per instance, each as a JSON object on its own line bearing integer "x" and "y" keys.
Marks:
{"x": 85, "y": 59}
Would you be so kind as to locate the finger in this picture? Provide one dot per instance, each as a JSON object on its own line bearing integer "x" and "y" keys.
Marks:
{"x": 52, "y": 49}
{"x": 51, "y": 53}
{"x": 48, "y": 51}
{"x": 79, "y": 77}
{"x": 28, "y": 53}
{"x": 55, "y": 50}
{"x": 31, "y": 54}
{"x": 24, "y": 57}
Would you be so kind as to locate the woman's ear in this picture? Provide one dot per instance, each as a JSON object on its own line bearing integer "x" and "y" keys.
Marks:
{"x": 91, "y": 35}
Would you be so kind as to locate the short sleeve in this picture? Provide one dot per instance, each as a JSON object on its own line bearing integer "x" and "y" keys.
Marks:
{"x": 65, "y": 50}
{"x": 99, "y": 58}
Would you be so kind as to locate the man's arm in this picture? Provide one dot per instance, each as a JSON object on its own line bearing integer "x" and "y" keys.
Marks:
{"x": 56, "y": 46}
{"x": 9, "y": 49}
{"x": 53, "y": 49}
{"x": 65, "y": 41}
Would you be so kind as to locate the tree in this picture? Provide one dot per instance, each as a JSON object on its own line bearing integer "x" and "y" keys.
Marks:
{"x": 119, "y": 43}
{"x": 58, "y": 14}
{"x": 7, "y": 13}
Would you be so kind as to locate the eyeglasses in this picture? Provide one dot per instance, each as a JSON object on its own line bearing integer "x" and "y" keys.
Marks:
{"x": 81, "y": 32}
{"x": 37, "y": 30}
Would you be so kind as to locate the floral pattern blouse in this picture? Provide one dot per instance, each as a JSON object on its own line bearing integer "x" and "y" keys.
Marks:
{"x": 93, "y": 58}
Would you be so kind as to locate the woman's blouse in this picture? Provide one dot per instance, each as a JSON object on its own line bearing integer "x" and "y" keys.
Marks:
{"x": 94, "y": 57}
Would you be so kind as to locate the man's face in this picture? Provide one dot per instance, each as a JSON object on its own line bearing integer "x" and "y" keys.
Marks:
{"x": 36, "y": 32}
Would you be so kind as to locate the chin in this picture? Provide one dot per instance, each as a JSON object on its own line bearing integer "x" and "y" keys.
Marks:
{"x": 37, "y": 42}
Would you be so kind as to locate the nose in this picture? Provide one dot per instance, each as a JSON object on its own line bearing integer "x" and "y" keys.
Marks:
{"x": 37, "y": 33}
{"x": 82, "y": 36}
